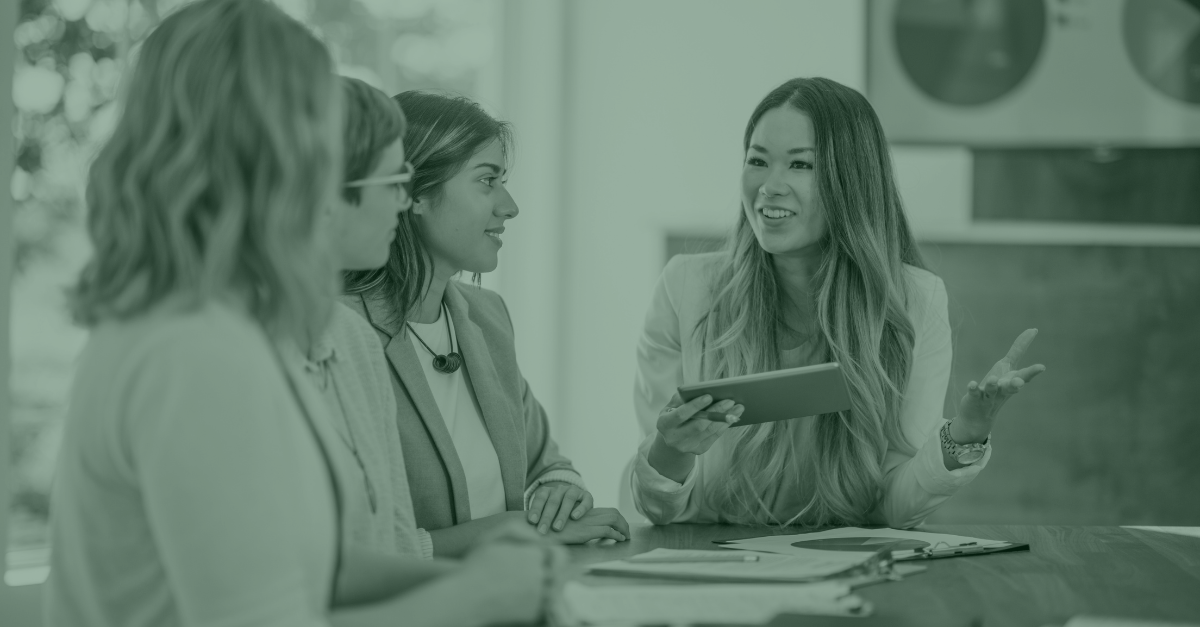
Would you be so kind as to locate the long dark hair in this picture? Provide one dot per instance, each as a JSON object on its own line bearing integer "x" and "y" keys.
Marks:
{"x": 444, "y": 132}
{"x": 861, "y": 292}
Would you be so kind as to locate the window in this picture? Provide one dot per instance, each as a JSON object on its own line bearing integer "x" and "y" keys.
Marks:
{"x": 70, "y": 56}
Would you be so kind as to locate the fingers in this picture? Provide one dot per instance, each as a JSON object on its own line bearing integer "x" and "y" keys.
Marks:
{"x": 552, "y": 505}
{"x": 537, "y": 503}
{"x": 1030, "y": 372}
{"x": 584, "y": 506}
{"x": 569, "y": 499}
{"x": 1019, "y": 346}
{"x": 620, "y": 524}
{"x": 674, "y": 415}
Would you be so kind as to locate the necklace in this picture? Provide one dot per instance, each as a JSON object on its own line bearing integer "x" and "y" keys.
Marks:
{"x": 448, "y": 363}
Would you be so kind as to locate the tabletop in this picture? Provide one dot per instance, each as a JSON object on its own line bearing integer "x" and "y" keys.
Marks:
{"x": 1106, "y": 571}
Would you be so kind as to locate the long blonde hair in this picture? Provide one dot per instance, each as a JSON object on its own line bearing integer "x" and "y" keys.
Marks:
{"x": 225, "y": 156}
{"x": 861, "y": 293}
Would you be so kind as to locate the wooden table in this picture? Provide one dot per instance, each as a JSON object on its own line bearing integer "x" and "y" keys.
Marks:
{"x": 1107, "y": 571}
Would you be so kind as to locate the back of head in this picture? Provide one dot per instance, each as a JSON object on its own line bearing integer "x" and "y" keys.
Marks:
{"x": 224, "y": 158}
{"x": 444, "y": 132}
{"x": 373, "y": 123}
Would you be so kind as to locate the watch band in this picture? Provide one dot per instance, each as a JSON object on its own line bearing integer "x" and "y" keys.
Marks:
{"x": 966, "y": 454}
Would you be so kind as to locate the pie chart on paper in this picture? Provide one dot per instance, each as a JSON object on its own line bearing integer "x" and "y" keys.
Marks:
{"x": 861, "y": 544}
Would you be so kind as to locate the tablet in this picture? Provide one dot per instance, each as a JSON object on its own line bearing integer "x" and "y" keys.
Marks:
{"x": 780, "y": 394}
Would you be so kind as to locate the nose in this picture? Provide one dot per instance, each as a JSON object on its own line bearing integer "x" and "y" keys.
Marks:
{"x": 773, "y": 185}
{"x": 507, "y": 207}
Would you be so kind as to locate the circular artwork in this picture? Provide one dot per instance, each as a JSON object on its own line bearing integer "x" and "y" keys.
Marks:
{"x": 861, "y": 544}
{"x": 969, "y": 52}
{"x": 1162, "y": 39}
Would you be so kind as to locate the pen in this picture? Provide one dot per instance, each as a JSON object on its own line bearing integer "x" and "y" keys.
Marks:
{"x": 719, "y": 557}
{"x": 714, "y": 416}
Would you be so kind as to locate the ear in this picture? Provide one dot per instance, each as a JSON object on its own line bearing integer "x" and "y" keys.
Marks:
{"x": 420, "y": 206}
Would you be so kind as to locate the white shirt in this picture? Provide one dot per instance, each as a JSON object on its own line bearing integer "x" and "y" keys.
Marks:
{"x": 464, "y": 420}
{"x": 668, "y": 354}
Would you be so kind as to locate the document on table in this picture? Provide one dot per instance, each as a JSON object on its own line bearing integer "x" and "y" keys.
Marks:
{"x": 804, "y": 567}
{"x": 903, "y": 544}
{"x": 743, "y": 604}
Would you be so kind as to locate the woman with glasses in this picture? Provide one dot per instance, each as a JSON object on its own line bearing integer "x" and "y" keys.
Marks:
{"x": 477, "y": 446}
{"x": 199, "y": 481}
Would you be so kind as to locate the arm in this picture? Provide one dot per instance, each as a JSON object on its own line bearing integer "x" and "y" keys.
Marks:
{"x": 916, "y": 483}
{"x": 662, "y": 480}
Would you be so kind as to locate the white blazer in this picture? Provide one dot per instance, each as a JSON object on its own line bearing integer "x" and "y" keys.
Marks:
{"x": 668, "y": 356}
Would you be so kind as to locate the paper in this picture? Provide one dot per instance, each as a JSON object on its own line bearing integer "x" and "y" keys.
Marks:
{"x": 805, "y": 566}
{"x": 1179, "y": 531}
{"x": 854, "y": 539}
{"x": 749, "y": 604}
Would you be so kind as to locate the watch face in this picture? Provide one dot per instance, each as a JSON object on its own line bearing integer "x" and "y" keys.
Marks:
{"x": 970, "y": 457}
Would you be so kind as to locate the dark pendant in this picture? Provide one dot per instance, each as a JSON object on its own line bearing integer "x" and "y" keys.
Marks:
{"x": 447, "y": 364}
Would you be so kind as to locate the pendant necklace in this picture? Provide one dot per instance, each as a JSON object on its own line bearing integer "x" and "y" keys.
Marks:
{"x": 448, "y": 363}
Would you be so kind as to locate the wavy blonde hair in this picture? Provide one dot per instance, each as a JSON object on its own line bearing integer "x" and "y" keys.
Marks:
{"x": 225, "y": 158}
{"x": 861, "y": 292}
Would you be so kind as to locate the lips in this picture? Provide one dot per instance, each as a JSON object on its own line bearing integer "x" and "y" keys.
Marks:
{"x": 495, "y": 234}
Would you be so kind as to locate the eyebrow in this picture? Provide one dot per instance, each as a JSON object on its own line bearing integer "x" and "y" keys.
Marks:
{"x": 791, "y": 151}
{"x": 491, "y": 166}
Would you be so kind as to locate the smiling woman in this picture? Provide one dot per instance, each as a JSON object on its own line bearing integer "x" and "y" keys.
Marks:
{"x": 477, "y": 447}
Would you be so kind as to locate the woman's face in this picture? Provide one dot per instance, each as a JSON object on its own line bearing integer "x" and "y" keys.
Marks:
{"x": 462, "y": 231}
{"x": 363, "y": 232}
{"x": 778, "y": 183}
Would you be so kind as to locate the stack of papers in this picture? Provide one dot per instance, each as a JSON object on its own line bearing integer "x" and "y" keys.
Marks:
{"x": 687, "y": 604}
{"x": 805, "y": 566}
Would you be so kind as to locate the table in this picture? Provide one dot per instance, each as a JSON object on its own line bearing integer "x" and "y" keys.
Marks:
{"x": 1108, "y": 571}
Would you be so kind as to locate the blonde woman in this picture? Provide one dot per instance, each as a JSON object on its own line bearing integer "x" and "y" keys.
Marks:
{"x": 821, "y": 267}
{"x": 195, "y": 485}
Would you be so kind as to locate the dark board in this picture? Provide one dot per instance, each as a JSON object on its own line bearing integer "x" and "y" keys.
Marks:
{"x": 1110, "y": 434}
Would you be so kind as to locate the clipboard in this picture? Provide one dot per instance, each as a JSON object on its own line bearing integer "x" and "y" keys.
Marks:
{"x": 960, "y": 550}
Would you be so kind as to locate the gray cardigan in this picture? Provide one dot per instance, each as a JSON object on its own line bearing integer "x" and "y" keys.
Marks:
{"x": 514, "y": 418}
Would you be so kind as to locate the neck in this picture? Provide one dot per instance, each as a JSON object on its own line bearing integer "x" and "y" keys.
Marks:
{"x": 795, "y": 272}
{"x": 430, "y": 307}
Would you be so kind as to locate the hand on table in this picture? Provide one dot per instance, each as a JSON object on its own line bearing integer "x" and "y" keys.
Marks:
{"x": 604, "y": 525}
{"x": 978, "y": 409}
{"x": 555, "y": 502}
{"x": 516, "y": 580}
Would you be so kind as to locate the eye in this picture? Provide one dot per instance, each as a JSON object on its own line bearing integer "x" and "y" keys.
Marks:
{"x": 490, "y": 180}
{"x": 802, "y": 165}
{"x": 756, "y": 161}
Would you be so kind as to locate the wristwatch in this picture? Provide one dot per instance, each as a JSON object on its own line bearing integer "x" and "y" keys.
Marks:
{"x": 966, "y": 454}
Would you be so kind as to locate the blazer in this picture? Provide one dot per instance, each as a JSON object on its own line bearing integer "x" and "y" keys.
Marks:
{"x": 514, "y": 418}
{"x": 915, "y": 482}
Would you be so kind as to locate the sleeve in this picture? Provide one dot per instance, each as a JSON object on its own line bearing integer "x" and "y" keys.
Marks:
{"x": 425, "y": 543}
{"x": 659, "y": 374}
{"x": 546, "y": 463}
{"x": 917, "y": 484}
{"x": 226, "y": 468}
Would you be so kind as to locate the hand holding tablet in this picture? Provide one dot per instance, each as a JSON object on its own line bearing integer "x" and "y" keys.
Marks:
{"x": 776, "y": 395}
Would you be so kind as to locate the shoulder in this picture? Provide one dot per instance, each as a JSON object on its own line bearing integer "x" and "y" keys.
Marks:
{"x": 210, "y": 335}
{"x": 482, "y": 301}
{"x": 682, "y": 269}
{"x": 927, "y": 299}
{"x": 349, "y": 329}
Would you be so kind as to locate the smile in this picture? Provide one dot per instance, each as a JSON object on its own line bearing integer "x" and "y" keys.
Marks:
{"x": 495, "y": 234}
{"x": 775, "y": 213}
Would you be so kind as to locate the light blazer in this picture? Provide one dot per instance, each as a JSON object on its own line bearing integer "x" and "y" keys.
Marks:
{"x": 514, "y": 419}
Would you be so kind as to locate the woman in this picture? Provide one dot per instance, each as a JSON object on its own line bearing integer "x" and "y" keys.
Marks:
{"x": 821, "y": 267}
{"x": 193, "y": 485}
{"x": 476, "y": 442}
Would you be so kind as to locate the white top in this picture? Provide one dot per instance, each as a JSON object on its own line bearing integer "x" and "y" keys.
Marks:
{"x": 668, "y": 356}
{"x": 190, "y": 488}
{"x": 464, "y": 420}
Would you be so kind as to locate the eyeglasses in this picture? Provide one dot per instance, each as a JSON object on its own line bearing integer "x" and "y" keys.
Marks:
{"x": 402, "y": 180}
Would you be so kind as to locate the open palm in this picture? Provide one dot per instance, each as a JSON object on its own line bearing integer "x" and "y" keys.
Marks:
{"x": 983, "y": 400}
